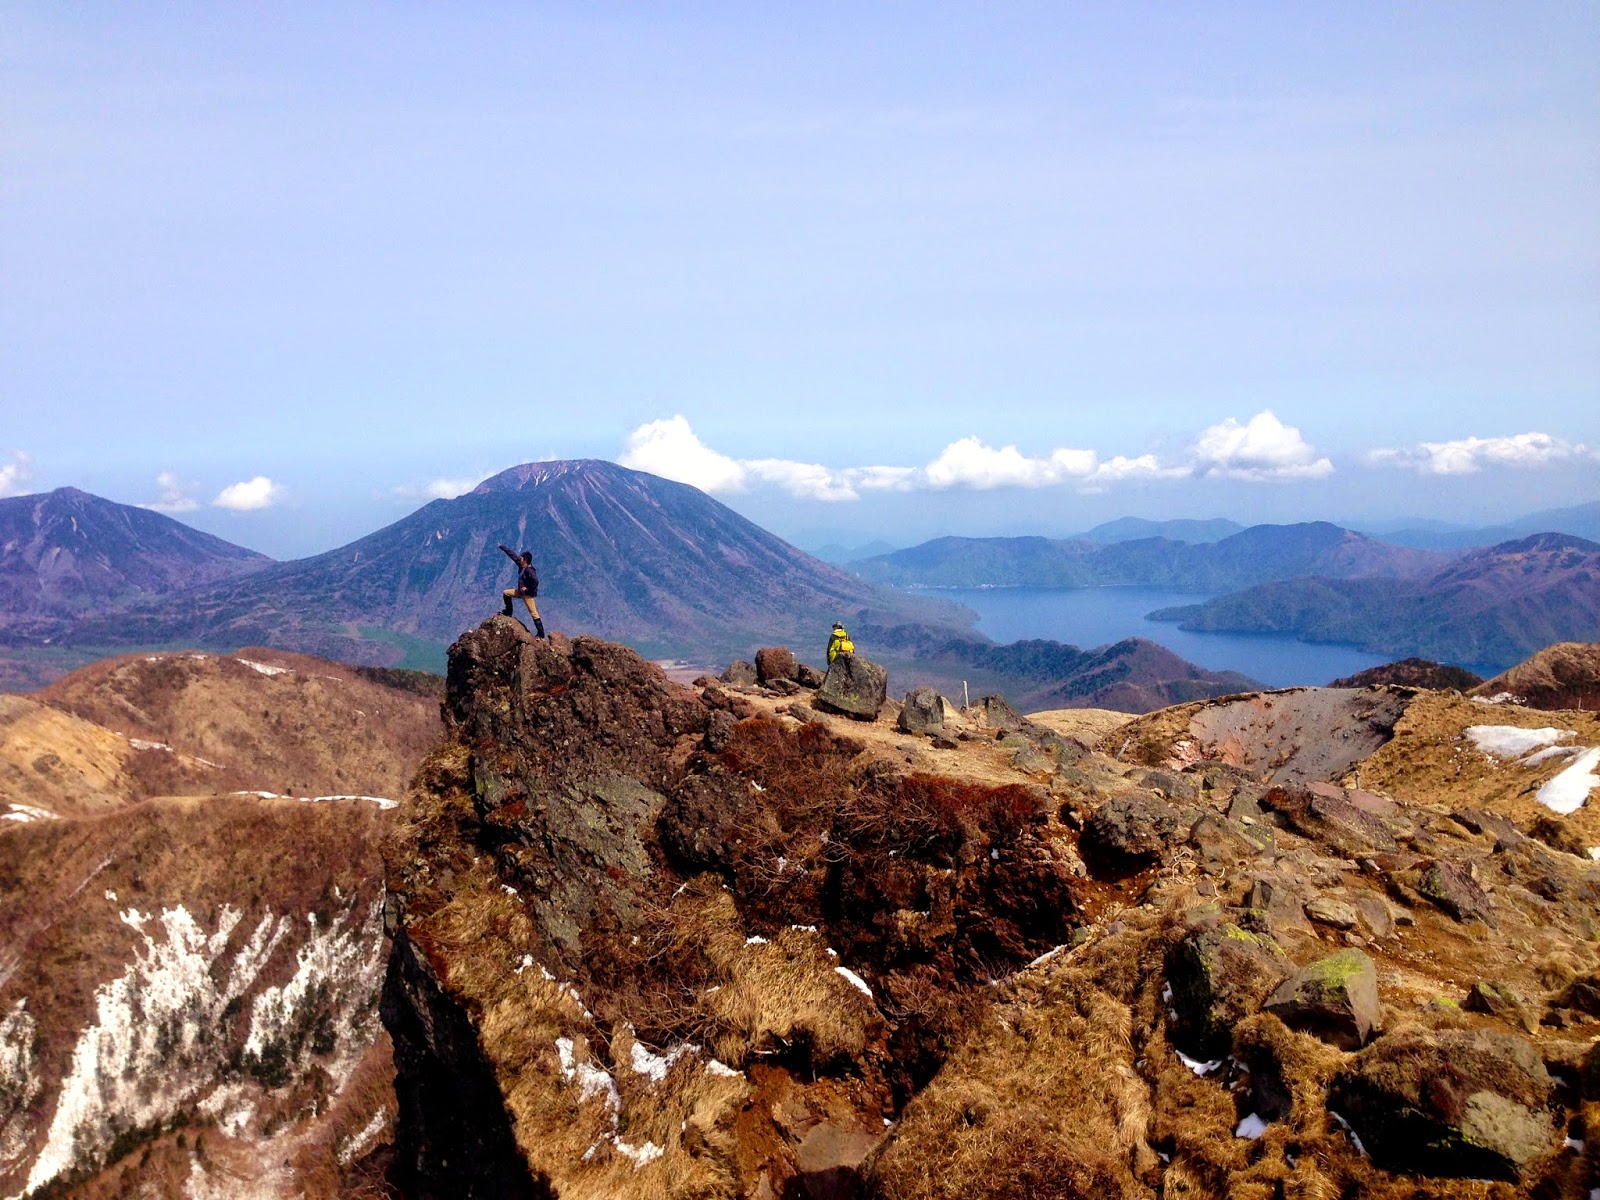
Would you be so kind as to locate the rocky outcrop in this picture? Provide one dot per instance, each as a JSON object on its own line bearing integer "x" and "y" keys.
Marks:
{"x": 716, "y": 943}
{"x": 775, "y": 662}
{"x": 855, "y": 686}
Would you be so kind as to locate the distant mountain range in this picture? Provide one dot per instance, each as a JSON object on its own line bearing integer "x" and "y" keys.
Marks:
{"x": 1132, "y": 529}
{"x": 1489, "y": 608}
{"x": 1580, "y": 520}
{"x": 64, "y": 554}
{"x": 1251, "y": 556}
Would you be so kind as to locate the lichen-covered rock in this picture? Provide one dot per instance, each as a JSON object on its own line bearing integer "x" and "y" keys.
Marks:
{"x": 1331, "y": 911}
{"x": 1453, "y": 890}
{"x": 1334, "y": 998}
{"x": 1129, "y": 832}
{"x": 1466, "y": 1104}
{"x": 1218, "y": 977}
{"x": 922, "y": 712}
{"x": 774, "y": 662}
{"x": 855, "y": 686}
{"x": 740, "y": 673}
{"x": 994, "y": 713}
{"x": 1221, "y": 842}
{"x": 808, "y": 676}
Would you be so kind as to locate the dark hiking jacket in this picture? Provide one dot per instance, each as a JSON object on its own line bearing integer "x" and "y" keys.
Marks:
{"x": 527, "y": 577}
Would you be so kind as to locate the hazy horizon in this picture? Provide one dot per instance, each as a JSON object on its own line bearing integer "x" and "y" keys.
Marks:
{"x": 288, "y": 271}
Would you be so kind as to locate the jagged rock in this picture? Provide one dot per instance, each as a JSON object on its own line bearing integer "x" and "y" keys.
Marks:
{"x": 1333, "y": 821}
{"x": 1171, "y": 785}
{"x": 1583, "y": 994}
{"x": 995, "y": 713}
{"x": 1130, "y": 832}
{"x": 1464, "y": 1104}
{"x": 741, "y": 674}
{"x": 855, "y": 686}
{"x": 1328, "y": 910}
{"x": 1453, "y": 890}
{"x": 1221, "y": 843}
{"x": 1375, "y": 914}
{"x": 774, "y": 662}
{"x": 1334, "y": 998}
{"x": 1276, "y": 905}
{"x": 784, "y": 687}
{"x": 808, "y": 676}
{"x": 940, "y": 742}
{"x": 719, "y": 729}
{"x": 1218, "y": 977}
{"x": 922, "y": 712}
{"x": 1498, "y": 1000}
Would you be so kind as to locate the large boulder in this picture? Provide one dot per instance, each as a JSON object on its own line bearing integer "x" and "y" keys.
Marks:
{"x": 1459, "y": 1103}
{"x": 922, "y": 712}
{"x": 1130, "y": 832}
{"x": 740, "y": 673}
{"x": 855, "y": 686}
{"x": 1334, "y": 998}
{"x": 774, "y": 662}
{"x": 1219, "y": 977}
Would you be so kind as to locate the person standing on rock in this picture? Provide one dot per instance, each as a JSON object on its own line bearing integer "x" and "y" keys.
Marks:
{"x": 527, "y": 587}
{"x": 839, "y": 643}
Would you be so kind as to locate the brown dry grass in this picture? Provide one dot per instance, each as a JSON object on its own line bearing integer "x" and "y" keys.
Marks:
{"x": 60, "y": 762}
{"x": 1088, "y": 725}
{"x": 318, "y": 728}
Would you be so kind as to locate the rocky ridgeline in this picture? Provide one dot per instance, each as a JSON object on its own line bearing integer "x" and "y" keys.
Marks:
{"x": 742, "y": 940}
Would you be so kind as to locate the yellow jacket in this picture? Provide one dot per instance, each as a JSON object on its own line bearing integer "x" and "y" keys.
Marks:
{"x": 840, "y": 643}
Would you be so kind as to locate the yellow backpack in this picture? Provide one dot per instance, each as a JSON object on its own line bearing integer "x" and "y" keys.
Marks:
{"x": 840, "y": 643}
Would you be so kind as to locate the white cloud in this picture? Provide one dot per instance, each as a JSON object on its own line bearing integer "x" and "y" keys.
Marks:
{"x": 173, "y": 495}
{"x": 16, "y": 474}
{"x": 448, "y": 489}
{"x": 1465, "y": 456}
{"x": 249, "y": 495}
{"x": 670, "y": 449}
{"x": 1263, "y": 449}
{"x": 809, "y": 481}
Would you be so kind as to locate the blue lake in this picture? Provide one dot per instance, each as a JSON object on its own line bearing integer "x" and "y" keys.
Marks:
{"x": 1089, "y": 617}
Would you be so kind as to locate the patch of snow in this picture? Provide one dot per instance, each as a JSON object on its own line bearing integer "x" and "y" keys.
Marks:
{"x": 265, "y": 668}
{"x": 1194, "y": 1064}
{"x": 111, "y": 896}
{"x": 263, "y": 795}
{"x": 1166, "y": 993}
{"x": 381, "y": 801}
{"x": 1512, "y": 741}
{"x": 640, "y": 1155}
{"x": 27, "y": 812}
{"x": 656, "y": 1066}
{"x": 1573, "y": 1144}
{"x": 755, "y": 940}
{"x": 509, "y": 890}
{"x": 1549, "y": 752}
{"x": 1251, "y": 1127}
{"x": 1044, "y": 958}
{"x": 1594, "y": 853}
{"x": 1568, "y": 791}
{"x": 20, "y": 1082}
{"x": 591, "y": 1080}
{"x": 364, "y": 1139}
{"x": 804, "y": 928}
{"x": 1355, "y": 1138}
{"x": 344, "y": 951}
{"x": 1498, "y": 698}
{"x": 854, "y": 980}
{"x": 723, "y": 1070}
{"x": 141, "y": 744}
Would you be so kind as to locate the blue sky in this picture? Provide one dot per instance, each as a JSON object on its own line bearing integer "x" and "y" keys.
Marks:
{"x": 864, "y": 271}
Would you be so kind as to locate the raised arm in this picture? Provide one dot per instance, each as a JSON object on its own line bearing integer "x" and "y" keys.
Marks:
{"x": 511, "y": 554}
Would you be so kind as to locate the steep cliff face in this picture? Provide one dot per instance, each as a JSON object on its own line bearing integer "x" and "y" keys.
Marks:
{"x": 653, "y": 942}
{"x": 698, "y": 954}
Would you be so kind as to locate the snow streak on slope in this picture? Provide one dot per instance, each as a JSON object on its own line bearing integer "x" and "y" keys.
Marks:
{"x": 162, "y": 1033}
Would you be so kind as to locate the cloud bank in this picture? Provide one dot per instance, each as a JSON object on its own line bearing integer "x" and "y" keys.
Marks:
{"x": 1263, "y": 449}
{"x": 250, "y": 495}
{"x": 1467, "y": 456}
{"x": 16, "y": 474}
{"x": 173, "y": 495}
